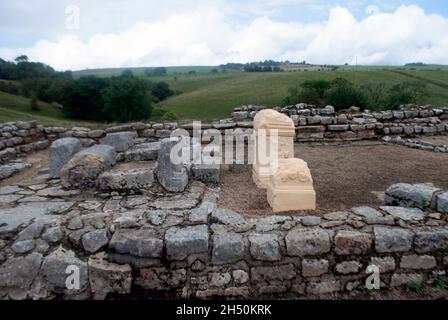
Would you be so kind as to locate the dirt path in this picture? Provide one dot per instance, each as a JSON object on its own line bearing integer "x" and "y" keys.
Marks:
{"x": 345, "y": 175}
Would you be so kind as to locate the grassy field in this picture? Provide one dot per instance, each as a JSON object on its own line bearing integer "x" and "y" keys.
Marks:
{"x": 109, "y": 72}
{"x": 16, "y": 108}
{"x": 206, "y": 96}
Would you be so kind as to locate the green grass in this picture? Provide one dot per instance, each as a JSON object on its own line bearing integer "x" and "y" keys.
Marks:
{"x": 17, "y": 108}
{"x": 208, "y": 97}
{"x": 109, "y": 72}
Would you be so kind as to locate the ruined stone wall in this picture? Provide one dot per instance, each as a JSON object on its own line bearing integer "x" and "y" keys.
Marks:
{"x": 314, "y": 124}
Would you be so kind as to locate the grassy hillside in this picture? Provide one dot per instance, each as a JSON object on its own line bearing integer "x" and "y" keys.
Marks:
{"x": 17, "y": 108}
{"x": 109, "y": 72}
{"x": 208, "y": 96}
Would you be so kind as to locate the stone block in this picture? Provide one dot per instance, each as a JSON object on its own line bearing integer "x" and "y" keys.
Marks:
{"x": 208, "y": 173}
{"x": 143, "y": 152}
{"x": 60, "y": 152}
{"x": 228, "y": 247}
{"x": 314, "y": 267}
{"x": 172, "y": 176}
{"x": 307, "y": 242}
{"x": 264, "y": 247}
{"x": 417, "y": 262}
{"x": 431, "y": 240}
{"x": 182, "y": 242}
{"x": 442, "y": 202}
{"x": 392, "y": 239}
{"x": 126, "y": 180}
{"x": 140, "y": 243}
{"x": 410, "y": 195}
{"x": 121, "y": 141}
{"x": 291, "y": 187}
{"x": 352, "y": 242}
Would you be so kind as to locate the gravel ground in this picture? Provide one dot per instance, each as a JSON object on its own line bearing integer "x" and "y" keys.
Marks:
{"x": 345, "y": 175}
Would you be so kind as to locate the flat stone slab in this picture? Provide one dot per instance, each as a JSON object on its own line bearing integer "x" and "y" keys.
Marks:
{"x": 12, "y": 218}
{"x": 367, "y": 212}
{"x": 126, "y": 180}
{"x": 406, "y": 214}
{"x": 143, "y": 152}
{"x": 307, "y": 241}
{"x": 121, "y": 141}
{"x": 9, "y": 190}
{"x": 208, "y": 173}
{"x": 10, "y": 169}
{"x": 141, "y": 243}
{"x": 410, "y": 195}
{"x": 181, "y": 242}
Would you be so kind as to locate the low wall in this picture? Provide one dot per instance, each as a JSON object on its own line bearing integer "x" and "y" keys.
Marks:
{"x": 17, "y": 138}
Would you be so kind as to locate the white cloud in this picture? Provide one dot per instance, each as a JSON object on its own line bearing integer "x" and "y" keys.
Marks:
{"x": 206, "y": 36}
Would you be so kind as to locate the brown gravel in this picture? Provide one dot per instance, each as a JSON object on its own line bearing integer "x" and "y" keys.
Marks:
{"x": 345, "y": 175}
{"x": 437, "y": 140}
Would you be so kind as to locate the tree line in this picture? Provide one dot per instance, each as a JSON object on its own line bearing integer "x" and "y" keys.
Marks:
{"x": 342, "y": 94}
{"x": 114, "y": 99}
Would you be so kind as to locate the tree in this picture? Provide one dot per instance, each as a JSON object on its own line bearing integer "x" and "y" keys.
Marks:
{"x": 310, "y": 91}
{"x": 161, "y": 90}
{"x": 405, "y": 93}
{"x": 375, "y": 93}
{"x": 22, "y": 58}
{"x": 34, "y": 104}
{"x": 127, "y": 99}
{"x": 343, "y": 94}
{"x": 127, "y": 73}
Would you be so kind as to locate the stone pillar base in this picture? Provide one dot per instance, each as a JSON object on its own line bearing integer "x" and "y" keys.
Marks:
{"x": 291, "y": 187}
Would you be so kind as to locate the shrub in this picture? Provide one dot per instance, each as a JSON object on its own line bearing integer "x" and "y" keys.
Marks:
{"x": 404, "y": 93}
{"x": 343, "y": 94}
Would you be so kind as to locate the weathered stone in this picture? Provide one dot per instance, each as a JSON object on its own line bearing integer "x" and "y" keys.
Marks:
{"x": 181, "y": 242}
{"x": 95, "y": 240}
{"x": 126, "y": 180}
{"x": 172, "y": 177}
{"x": 442, "y": 202}
{"x": 307, "y": 241}
{"x": 121, "y": 141}
{"x": 85, "y": 167}
{"x": 406, "y": 214}
{"x": 199, "y": 215}
{"x": 60, "y": 152}
{"x": 53, "y": 234}
{"x": 140, "y": 243}
{"x": 392, "y": 239}
{"x": 340, "y": 215}
{"x": 430, "y": 240}
{"x": 352, "y": 242}
{"x": 314, "y": 267}
{"x": 227, "y": 248}
{"x": 57, "y": 192}
{"x": 240, "y": 276}
{"x": 220, "y": 279}
{"x": 23, "y": 246}
{"x": 410, "y": 195}
{"x": 324, "y": 286}
{"x": 9, "y": 190}
{"x": 54, "y": 269}
{"x": 367, "y": 212}
{"x": 208, "y": 173}
{"x": 348, "y": 267}
{"x": 108, "y": 277}
{"x": 264, "y": 247}
{"x": 33, "y": 231}
{"x": 12, "y": 218}
{"x": 156, "y": 217}
{"x": 310, "y": 220}
{"x": 418, "y": 262}
{"x": 160, "y": 278}
{"x": 11, "y": 169}
{"x": 226, "y": 216}
{"x": 384, "y": 264}
{"x": 143, "y": 152}
{"x": 271, "y": 274}
{"x": 19, "y": 272}
{"x": 400, "y": 279}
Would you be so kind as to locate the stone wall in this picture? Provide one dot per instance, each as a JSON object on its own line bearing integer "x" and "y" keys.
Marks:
{"x": 314, "y": 124}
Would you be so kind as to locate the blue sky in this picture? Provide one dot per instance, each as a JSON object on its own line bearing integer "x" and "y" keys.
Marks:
{"x": 173, "y": 32}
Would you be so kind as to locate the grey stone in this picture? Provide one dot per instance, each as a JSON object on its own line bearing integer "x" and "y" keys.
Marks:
{"x": 57, "y": 192}
{"x": 208, "y": 173}
{"x": 314, "y": 267}
{"x": 199, "y": 215}
{"x": 60, "y": 152}
{"x": 182, "y": 242}
{"x": 12, "y": 218}
{"x": 53, "y": 234}
{"x": 310, "y": 220}
{"x": 85, "y": 166}
{"x": 367, "y": 212}
{"x": 19, "y": 272}
{"x": 10, "y": 169}
{"x": 307, "y": 241}
{"x": 23, "y": 246}
{"x": 418, "y": 262}
{"x": 95, "y": 240}
{"x": 406, "y": 214}
{"x": 9, "y": 190}
{"x": 324, "y": 286}
{"x": 400, "y": 279}
{"x": 226, "y": 216}
{"x": 54, "y": 269}
{"x": 121, "y": 141}
{"x": 240, "y": 276}
{"x": 32, "y": 231}
{"x": 156, "y": 217}
{"x": 384, "y": 264}
{"x": 220, "y": 279}
{"x": 143, "y": 152}
{"x": 9, "y": 199}
{"x": 106, "y": 277}
{"x": 126, "y": 180}
{"x": 172, "y": 177}
{"x": 442, "y": 202}
{"x": 227, "y": 248}
{"x": 75, "y": 223}
{"x": 348, "y": 267}
{"x": 352, "y": 242}
{"x": 141, "y": 243}
{"x": 264, "y": 247}
{"x": 276, "y": 273}
{"x": 392, "y": 239}
{"x": 430, "y": 240}
{"x": 410, "y": 195}
{"x": 340, "y": 215}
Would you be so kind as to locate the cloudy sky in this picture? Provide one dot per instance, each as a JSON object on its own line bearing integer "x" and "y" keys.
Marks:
{"x": 79, "y": 34}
